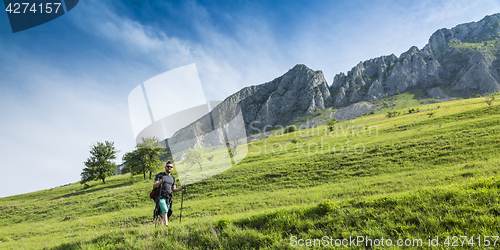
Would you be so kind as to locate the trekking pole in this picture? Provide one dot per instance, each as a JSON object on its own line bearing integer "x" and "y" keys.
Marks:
{"x": 182, "y": 199}
{"x": 155, "y": 217}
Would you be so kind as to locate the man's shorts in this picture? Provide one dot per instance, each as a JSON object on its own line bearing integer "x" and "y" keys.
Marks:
{"x": 164, "y": 206}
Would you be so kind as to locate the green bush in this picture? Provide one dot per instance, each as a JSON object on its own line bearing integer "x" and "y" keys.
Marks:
{"x": 290, "y": 129}
{"x": 330, "y": 123}
{"x": 413, "y": 110}
{"x": 392, "y": 114}
{"x": 4, "y": 238}
{"x": 489, "y": 99}
{"x": 222, "y": 223}
{"x": 325, "y": 207}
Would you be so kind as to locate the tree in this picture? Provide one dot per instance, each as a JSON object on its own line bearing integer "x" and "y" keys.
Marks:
{"x": 290, "y": 129}
{"x": 392, "y": 114}
{"x": 145, "y": 158}
{"x": 133, "y": 162}
{"x": 232, "y": 147}
{"x": 99, "y": 164}
{"x": 489, "y": 99}
{"x": 331, "y": 123}
{"x": 195, "y": 155}
{"x": 412, "y": 110}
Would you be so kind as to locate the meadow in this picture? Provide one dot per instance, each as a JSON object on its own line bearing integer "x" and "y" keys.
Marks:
{"x": 424, "y": 178}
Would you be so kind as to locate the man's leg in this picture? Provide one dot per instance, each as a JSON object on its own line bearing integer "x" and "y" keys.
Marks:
{"x": 164, "y": 209}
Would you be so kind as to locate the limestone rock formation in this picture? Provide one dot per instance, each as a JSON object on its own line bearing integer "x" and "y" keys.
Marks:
{"x": 300, "y": 91}
{"x": 466, "y": 57}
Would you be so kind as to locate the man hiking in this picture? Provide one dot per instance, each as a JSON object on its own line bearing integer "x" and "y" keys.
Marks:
{"x": 167, "y": 189}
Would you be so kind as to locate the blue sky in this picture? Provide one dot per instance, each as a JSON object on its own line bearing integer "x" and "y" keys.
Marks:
{"x": 64, "y": 84}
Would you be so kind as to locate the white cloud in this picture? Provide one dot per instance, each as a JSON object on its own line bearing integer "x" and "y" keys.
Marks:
{"x": 49, "y": 123}
{"x": 334, "y": 40}
{"x": 51, "y": 116}
{"x": 225, "y": 64}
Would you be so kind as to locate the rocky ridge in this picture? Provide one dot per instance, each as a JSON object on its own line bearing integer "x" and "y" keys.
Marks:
{"x": 299, "y": 92}
{"x": 464, "y": 58}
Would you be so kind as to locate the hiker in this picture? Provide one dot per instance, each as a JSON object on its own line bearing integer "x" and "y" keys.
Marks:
{"x": 167, "y": 189}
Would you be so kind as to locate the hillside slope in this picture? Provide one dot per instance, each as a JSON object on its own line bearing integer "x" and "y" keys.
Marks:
{"x": 373, "y": 159}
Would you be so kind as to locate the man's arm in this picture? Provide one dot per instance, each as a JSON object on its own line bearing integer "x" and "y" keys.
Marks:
{"x": 157, "y": 183}
{"x": 175, "y": 190}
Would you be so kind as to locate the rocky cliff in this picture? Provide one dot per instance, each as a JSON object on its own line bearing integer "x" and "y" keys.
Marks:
{"x": 466, "y": 57}
{"x": 299, "y": 92}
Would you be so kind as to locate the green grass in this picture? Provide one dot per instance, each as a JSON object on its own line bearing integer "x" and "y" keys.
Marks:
{"x": 412, "y": 177}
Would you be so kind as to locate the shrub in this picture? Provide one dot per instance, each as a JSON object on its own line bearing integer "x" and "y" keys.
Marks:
{"x": 290, "y": 129}
{"x": 489, "y": 99}
{"x": 330, "y": 123}
{"x": 325, "y": 207}
{"x": 392, "y": 113}
{"x": 412, "y": 110}
{"x": 222, "y": 223}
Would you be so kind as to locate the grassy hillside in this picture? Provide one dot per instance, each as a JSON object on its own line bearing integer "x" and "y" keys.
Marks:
{"x": 432, "y": 173}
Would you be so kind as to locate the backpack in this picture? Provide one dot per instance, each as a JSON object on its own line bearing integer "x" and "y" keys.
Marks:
{"x": 154, "y": 193}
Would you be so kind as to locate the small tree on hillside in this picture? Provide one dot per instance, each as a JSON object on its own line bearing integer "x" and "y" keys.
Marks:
{"x": 232, "y": 147}
{"x": 133, "y": 161}
{"x": 195, "y": 156}
{"x": 331, "y": 123}
{"x": 145, "y": 158}
{"x": 99, "y": 165}
{"x": 489, "y": 99}
{"x": 290, "y": 129}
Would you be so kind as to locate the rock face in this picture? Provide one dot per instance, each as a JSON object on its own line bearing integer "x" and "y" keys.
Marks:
{"x": 437, "y": 93}
{"x": 350, "y": 112}
{"x": 300, "y": 91}
{"x": 465, "y": 57}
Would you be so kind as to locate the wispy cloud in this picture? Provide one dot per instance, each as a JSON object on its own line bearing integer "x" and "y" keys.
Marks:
{"x": 54, "y": 106}
{"x": 225, "y": 63}
{"x": 48, "y": 127}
